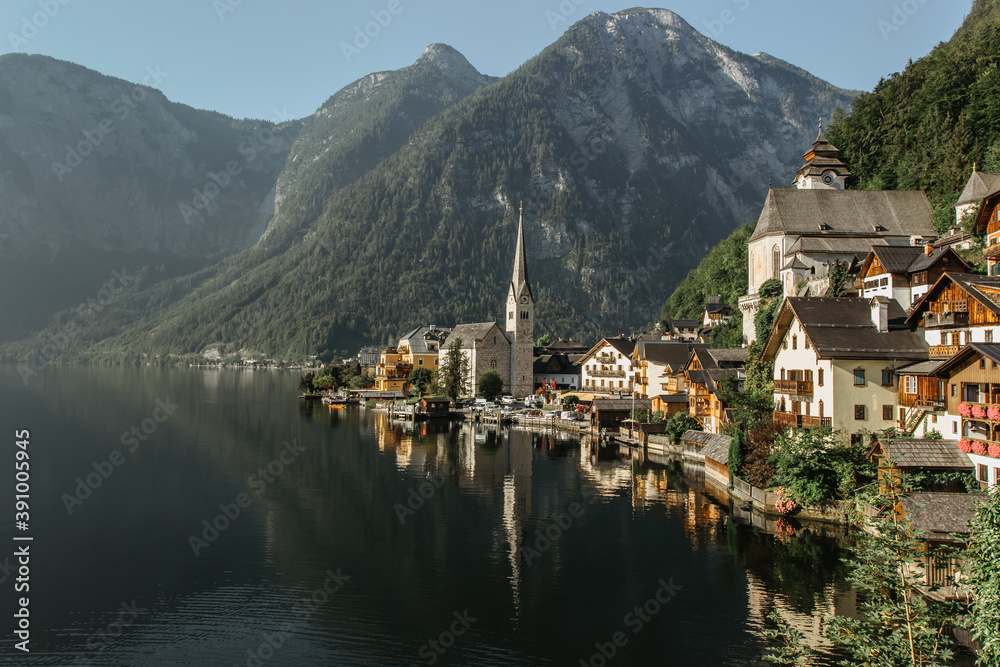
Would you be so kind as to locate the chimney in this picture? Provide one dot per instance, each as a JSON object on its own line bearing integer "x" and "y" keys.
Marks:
{"x": 880, "y": 313}
{"x": 928, "y": 249}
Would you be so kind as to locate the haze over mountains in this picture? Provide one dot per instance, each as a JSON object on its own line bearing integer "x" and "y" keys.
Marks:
{"x": 634, "y": 142}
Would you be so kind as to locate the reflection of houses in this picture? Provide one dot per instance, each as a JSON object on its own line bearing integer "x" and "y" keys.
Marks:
{"x": 706, "y": 374}
{"x": 905, "y": 273}
{"x": 803, "y": 234}
{"x": 835, "y": 360}
{"x": 973, "y": 378}
{"x": 417, "y": 349}
{"x": 607, "y": 367}
{"x": 960, "y": 308}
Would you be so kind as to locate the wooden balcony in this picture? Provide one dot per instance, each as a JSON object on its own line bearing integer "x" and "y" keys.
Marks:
{"x": 605, "y": 358}
{"x": 992, "y": 252}
{"x": 699, "y": 410}
{"x": 930, "y": 402}
{"x": 949, "y": 319}
{"x": 793, "y": 420}
{"x": 944, "y": 350}
{"x": 607, "y": 374}
{"x": 793, "y": 387}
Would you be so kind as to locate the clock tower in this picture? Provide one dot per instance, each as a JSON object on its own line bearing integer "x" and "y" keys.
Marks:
{"x": 520, "y": 321}
{"x": 823, "y": 168}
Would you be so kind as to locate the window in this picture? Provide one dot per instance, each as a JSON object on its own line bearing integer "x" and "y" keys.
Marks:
{"x": 806, "y": 341}
{"x": 808, "y": 405}
{"x": 775, "y": 261}
{"x": 782, "y": 373}
{"x": 820, "y": 376}
{"x": 886, "y": 377}
{"x": 944, "y": 338}
{"x": 982, "y": 362}
{"x": 859, "y": 412}
{"x": 510, "y": 315}
{"x": 983, "y": 473}
{"x": 967, "y": 336}
{"x": 954, "y": 339}
{"x": 784, "y": 344}
{"x": 859, "y": 377}
{"x": 886, "y": 412}
{"x": 954, "y": 427}
{"x": 989, "y": 335}
{"x": 902, "y": 414}
{"x": 524, "y": 314}
{"x": 909, "y": 384}
{"x": 420, "y": 361}
{"x": 821, "y": 409}
{"x": 953, "y": 390}
{"x": 493, "y": 364}
{"x": 795, "y": 342}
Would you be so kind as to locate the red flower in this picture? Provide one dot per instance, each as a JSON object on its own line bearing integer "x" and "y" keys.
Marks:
{"x": 993, "y": 412}
{"x": 978, "y": 412}
{"x": 994, "y": 450}
{"x": 964, "y": 409}
{"x": 979, "y": 447}
{"x": 965, "y": 445}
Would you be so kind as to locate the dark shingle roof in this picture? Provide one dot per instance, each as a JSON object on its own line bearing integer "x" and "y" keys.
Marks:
{"x": 619, "y": 404}
{"x": 926, "y": 261}
{"x": 989, "y": 350}
{"x": 942, "y": 512}
{"x": 926, "y": 454}
{"x": 670, "y": 353}
{"x": 899, "y": 213}
{"x": 843, "y": 329}
{"x": 673, "y": 398}
{"x": 897, "y": 259}
{"x": 980, "y": 184}
{"x": 469, "y": 333}
{"x": 967, "y": 282}
{"x": 716, "y": 447}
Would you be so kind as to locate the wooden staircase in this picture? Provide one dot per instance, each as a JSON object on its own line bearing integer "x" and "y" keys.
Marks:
{"x": 911, "y": 420}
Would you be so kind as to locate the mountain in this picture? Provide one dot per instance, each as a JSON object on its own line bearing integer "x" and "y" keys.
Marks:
{"x": 96, "y": 173}
{"x": 925, "y": 128}
{"x": 634, "y": 142}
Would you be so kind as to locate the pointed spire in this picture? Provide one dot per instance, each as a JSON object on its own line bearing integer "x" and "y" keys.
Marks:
{"x": 519, "y": 281}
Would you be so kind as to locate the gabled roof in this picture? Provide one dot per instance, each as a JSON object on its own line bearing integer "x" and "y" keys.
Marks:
{"x": 421, "y": 336}
{"x": 967, "y": 282}
{"x": 667, "y": 353}
{"x": 989, "y": 350}
{"x": 471, "y": 333}
{"x": 925, "y": 368}
{"x": 843, "y": 329}
{"x": 673, "y": 398}
{"x": 727, "y": 357}
{"x": 619, "y": 404}
{"x": 979, "y": 185}
{"x": 856, "y": 213}
{"x": 907, "y": 260}
{"x": 623, "y": 345}
{"x": 687, "y": 324}
{"x": 943, "y": 454}
{"x": 942, "y": 513}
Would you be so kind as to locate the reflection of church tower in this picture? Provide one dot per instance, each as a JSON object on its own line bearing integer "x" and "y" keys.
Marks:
{"x": 521, "y": 321}
{"x": 823, "y": 168}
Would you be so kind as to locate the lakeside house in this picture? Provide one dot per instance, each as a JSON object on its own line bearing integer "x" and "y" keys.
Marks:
{"x": 557, "y": 372}
{"x": 656, "y": 362}
{"x": 905, "y": 273}
{"x": 929, "y": 458}
{"x": 417, "y": 349}
{"x": 607, "y": 367}
{"x": 960, "y": 308}
{"x": 835, "y": 360}
{"x": 706, "y": 371}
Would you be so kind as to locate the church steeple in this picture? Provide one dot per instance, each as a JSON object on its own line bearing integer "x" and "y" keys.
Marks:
{"x": 823, "y": 167}
{"x": 519, "y": 281}
{"x": 520, "y": 320}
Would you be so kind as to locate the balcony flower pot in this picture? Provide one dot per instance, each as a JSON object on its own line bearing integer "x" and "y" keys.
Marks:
{"x": 965, "y": 445}
{"x": 993, "y": 412}
{"x": 979, "y": 447}
{"x": 994, "y": 450}
{"x": 964, "y": 409}
{"x": 978, "y": 412}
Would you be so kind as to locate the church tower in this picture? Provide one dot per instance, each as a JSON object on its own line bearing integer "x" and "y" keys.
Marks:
{"x": 823, "y": 168}
{"x": 520, "y": 321}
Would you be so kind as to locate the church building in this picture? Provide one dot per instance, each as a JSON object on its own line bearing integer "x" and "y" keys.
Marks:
{"x": 509, "y": 350}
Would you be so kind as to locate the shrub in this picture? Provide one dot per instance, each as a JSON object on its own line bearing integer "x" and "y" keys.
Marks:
{"x": 816, "y": 466}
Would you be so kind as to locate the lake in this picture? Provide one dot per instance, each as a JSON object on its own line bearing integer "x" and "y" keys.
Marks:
{"x": 205, "y": 517}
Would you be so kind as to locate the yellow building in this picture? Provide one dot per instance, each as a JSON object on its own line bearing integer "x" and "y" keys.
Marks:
{"x": 417, "y": 349}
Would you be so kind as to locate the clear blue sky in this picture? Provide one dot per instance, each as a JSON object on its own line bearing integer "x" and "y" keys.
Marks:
{"x": 262, "y": 58}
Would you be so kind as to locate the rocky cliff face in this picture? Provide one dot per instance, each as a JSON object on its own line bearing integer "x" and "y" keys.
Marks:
{"x": 89, "y": 163}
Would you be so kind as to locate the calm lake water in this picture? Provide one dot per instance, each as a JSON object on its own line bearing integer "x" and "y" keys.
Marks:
{"x": 358, "y": 542}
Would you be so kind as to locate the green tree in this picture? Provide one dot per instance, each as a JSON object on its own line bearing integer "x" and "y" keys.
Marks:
{"x": 679, "y": 423}
{"x": 897, "y": 623}
{"x": 736, "y": 451}
{"x": 451, "y": 378}
{"x": 571, "y": 401}
{"x": 544, "y": 341}
{"x": 640, "y": 415}
{"x": 770, "y": 293}
{"x": 729, "y": 333}
{"x": 982, "y": 558}
{"x": 421, "y": 379}
{"x": 490, "y": 385}
{"x": 306, "y": 383}
{"x": 817, "y": 465}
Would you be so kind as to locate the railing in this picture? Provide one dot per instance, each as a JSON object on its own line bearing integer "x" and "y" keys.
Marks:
{"x": 793, "y": 420}
{"x": 991, "y": 252}
{"x": 951, "y": 319}
{"x": 605, "y": 358}
{"x": 944, "y": 350}
{"x": 608, "y": 374}
{"x": 794, "y": 387}
{"x": 700, "y": 410}
{"x": 924, "y": 401}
